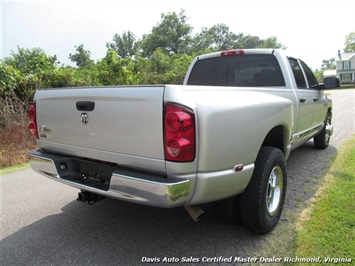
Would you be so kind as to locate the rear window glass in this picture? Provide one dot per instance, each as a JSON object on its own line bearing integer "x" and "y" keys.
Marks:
{"x": 239, "y": 71}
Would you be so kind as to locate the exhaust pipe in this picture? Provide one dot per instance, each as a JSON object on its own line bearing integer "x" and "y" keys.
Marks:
{"x": 89, "y": 197}
{"x": 195, "y": 212}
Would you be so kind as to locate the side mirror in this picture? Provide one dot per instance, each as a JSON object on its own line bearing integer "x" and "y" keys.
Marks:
{"x": 331, "y": 83}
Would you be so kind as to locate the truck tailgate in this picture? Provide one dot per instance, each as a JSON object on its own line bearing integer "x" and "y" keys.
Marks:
{"x": 117, "y": 124}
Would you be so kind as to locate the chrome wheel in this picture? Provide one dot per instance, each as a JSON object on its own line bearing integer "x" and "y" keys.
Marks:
{"x": 274, "y": 190}
{"x": 328, "y": 129}
{"x": 321, "y": 141}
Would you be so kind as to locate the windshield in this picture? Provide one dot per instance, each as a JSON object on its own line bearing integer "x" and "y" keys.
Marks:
{"x": 240, "y": 71}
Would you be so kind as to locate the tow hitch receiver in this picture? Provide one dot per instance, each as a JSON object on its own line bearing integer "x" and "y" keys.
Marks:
{"x": 89, "y": 197}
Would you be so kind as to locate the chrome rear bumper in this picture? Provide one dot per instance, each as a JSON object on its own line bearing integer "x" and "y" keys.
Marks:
{"x": 124, "y": 184}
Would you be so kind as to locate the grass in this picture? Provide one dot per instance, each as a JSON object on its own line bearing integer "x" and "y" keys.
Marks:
{"x": 347, "y": 86}
{"x": 14, "y": 168}
{"x": 327, "y": 227}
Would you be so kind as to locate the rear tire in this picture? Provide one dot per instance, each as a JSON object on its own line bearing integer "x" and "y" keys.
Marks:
{"x": 262, "y": 202}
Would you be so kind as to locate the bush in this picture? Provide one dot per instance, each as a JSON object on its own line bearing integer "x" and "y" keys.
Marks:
{"x": 15, "y": 138}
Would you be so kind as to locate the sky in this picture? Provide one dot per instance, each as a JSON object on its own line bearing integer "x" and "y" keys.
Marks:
{"x": 312, "y": 30}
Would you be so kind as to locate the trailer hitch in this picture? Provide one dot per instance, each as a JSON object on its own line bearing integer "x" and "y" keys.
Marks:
{"x": 89, "y": 197}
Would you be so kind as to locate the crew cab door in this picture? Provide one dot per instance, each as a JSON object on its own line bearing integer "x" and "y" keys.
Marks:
{"x": 305, "y": 97}
{"x": 319, "y": 110}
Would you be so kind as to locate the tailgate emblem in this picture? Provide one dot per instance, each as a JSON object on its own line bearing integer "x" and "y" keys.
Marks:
{"x": 84, "y": 118}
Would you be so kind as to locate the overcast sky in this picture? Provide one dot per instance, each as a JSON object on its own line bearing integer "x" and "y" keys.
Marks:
{"x": 312, "y": 30}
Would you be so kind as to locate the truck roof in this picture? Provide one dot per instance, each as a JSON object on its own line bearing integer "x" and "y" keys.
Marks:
{"x": 236, "y": 52}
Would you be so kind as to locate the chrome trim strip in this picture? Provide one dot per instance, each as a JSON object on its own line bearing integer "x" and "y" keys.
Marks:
{"x": 310, "y": 131}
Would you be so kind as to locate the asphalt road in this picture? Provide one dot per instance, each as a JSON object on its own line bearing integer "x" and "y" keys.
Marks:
{"x": 43, "y": 224}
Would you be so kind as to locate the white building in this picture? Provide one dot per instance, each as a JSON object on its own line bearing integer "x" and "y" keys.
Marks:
{"x": 345, "y": 68}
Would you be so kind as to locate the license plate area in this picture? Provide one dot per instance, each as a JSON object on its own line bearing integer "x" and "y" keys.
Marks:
{"x": 89, "y": 173}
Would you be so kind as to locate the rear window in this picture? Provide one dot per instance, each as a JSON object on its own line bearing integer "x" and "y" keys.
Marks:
{"x": 239, "y": 71}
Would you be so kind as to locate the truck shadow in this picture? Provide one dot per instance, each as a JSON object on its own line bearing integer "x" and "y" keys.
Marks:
{"x": 118, "y": 233}
{"x": 306, "y": 169}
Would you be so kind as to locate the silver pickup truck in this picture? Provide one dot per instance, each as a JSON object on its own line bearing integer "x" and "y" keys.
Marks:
{"x": 222, "y": 137}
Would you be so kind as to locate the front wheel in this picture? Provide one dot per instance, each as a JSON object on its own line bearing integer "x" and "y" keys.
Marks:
{"x": 321, "y": 141}
{"x": 262, "y": 202}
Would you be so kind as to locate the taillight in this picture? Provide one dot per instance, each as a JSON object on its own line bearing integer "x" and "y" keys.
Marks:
{"x": 232, "y": 52}
{"x": 179, "y": 133}
{"x": 33, "y": 120}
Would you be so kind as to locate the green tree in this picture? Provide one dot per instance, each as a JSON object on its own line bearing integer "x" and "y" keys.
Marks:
{"x": 74, "y": 77}
{"x": 155, "y": 69}
{"x": 247, "y": 42}
{"x": 180, "y": 65}
{"x": 350, "y": 43}
{"x": 272, "y": 42}
{"x": 223, "y": 38}
{"x": 21, "y": 74}
{"x": 202, "y": 41}
{"x": 328, "y": 64}
{"x": 124, "y": 45}
{"x": 162, "y": 68}
{"x": 82, "y": 57}
{"x": 216, "y": 38}
{"x": 113, "y": 70}
{"x": 250, "y": 42}
{"x": 172, "y": 34}
{"x": 25, "y": 71}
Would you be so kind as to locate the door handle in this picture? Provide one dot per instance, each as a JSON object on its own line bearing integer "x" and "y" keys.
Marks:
{"x": 302, "y": 100}
{"x": 85, "y": 106}
{"x": 315, "y": 99}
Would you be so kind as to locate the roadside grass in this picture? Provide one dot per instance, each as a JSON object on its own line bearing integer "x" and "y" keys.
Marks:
{"x": 14, "y": 168}
{"x": 347, "y": 86}
{"x": 327, "y": 227}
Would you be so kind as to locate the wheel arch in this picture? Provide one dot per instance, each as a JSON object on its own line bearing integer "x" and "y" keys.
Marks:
{"x": 276, "y": 138}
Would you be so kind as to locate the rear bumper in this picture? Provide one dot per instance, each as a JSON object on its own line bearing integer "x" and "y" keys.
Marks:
{"x": 124, "y": 184}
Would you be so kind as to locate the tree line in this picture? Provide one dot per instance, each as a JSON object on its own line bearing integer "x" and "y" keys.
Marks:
{"x": 159, "y": 57}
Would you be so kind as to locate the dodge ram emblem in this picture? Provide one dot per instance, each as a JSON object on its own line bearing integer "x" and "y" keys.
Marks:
{"x": 84, "y": 118}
